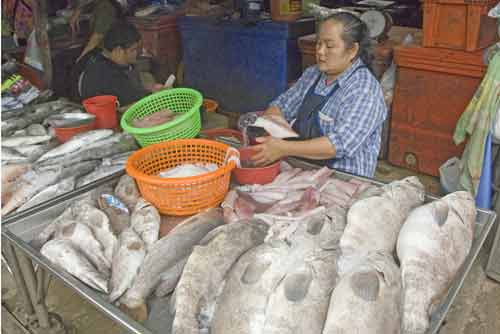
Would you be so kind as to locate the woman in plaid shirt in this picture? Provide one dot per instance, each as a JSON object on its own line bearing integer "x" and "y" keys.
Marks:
{"x": 337, "y": 106}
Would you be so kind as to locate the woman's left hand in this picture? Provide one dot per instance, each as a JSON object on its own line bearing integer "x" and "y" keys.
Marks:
{"x": 268, "y": 150}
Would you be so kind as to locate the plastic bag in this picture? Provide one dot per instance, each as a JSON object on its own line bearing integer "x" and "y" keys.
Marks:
{"x": 32, "y": 56}
{"x": 495, "y": 129}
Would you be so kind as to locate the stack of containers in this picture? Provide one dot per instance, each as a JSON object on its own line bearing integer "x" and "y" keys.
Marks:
{"x": 436, "y": 81}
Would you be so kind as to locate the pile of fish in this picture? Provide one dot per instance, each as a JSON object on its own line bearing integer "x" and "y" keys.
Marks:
{"x": 307, "y": 253}
{"x": 35, "y": 168}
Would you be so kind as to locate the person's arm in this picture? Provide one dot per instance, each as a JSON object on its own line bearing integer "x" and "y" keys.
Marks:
{"x": 74, "y": 21}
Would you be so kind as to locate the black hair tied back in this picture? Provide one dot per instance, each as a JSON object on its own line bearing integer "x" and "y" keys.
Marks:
{"x": 355, "y": 31}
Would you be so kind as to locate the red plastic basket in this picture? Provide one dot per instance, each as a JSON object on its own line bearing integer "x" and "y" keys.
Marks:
{"x": 257, "y": 175}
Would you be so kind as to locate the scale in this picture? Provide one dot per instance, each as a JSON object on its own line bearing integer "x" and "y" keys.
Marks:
{"x": 379, "y": 23}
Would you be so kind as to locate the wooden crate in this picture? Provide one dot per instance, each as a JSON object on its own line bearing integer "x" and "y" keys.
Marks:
{"x": 459, "y": 24}
{"x": 433, "y": 88}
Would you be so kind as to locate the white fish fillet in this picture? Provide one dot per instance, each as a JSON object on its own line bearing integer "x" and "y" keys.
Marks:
{"x": 275, "y": 129}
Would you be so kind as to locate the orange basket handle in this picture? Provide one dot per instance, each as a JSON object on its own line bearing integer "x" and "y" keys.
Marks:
{"x": 232, "y": 159}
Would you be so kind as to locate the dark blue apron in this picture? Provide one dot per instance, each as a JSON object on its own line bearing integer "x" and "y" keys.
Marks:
{"x": 307, "y": 122}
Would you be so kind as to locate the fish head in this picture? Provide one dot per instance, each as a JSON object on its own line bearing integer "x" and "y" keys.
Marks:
{"x": 462, "y": 203}
{"x": 409, "y": 192}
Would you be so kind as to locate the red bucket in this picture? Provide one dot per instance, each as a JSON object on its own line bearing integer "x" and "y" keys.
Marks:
{"x": 65, "y": 134}
{"x": 255, "y": 175}
{"x": 104, "y": 108}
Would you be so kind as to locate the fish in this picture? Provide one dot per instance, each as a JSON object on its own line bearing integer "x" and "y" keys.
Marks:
{"x": 154, "y": 119}
{"x": 373, "y": 223}
{"x": 242, "y": 304}
{"x": 14, "y": 142}
{"x": 126, "y": 263}
{"x": 62, "y": 187}
{"x": 117, "y": 159}
{"x": 299, "y": 304}
{"x": 432, "y": 246}
{"x": 107, "y": 147}
{"x": 228, "y": 206}
{"x": 117, "y": 212}
{"x": 205, "y": 270}
{"x": 188, "y": 170}
{"x": 50, "y": 229}
{"x": 170, "y": 278}
{"x": 33, "y": 152}
{"x": 98, "y": 223}
{"x": 367, "y": 298}
{"x": 63, "y": 253}
{"x": 32, "y": 182}
{"x": 164, "y": 254}
{"x": 72, "y": 119}
{"x": 10, "y": 155}
{"x": 36, "y": 130}
{"x": 99, "y": 173}
{"x": 127, "y": 191}
{"x": 277, "y": 127}
{"x": 145, "y": 221}
{"x": 76, "y": 143}
{"x": 75, "y": 170}
{"x": 82, "y": 238}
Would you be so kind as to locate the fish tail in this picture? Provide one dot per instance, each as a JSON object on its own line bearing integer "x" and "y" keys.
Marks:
{"x": 138, "y": 313}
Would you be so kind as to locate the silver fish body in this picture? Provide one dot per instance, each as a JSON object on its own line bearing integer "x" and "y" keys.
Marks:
{"x": 63, "y": 254}
{"x": 145, "y": 221}
{"x": 126, "y": 262}
{"x": 432, "y": 246}
{"x": 127, "y": 191}
{"x": 170, "y": 278}
{"x": 205, "y": 270}
{"x": 367, "y": 298}
{"x": 14, "y": 142}
{"x": 62, "y": 187}
{"x": 83, "y": 239}
{"x": 166, "y": 252}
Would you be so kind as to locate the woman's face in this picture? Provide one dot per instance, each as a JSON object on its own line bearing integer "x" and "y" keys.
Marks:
{"x": 332, "y": 57}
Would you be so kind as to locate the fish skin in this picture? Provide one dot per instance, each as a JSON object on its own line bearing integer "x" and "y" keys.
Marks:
{"x": 165, "y": 253}
{"x": 127, "y": 191}
{"x": 82, "y": 238}
{"x": 205, "y": 270}
{"x": 99, "y": 224}
{"x": 145, "y": 221}
{"x": 62, "y": 187}
{"x": 33, "y": 152}
{"x": 274, "y": 128}
{"x": 63, "y": 254}
{"x": 126, "y": 263}
{"x": 242, "y": 304}
{"x": 10, "y": 155}
{"x": 373, "y": 223}
{"x": 49, "y": 231}
{"x": 432, "y": 246}
{"x": 11, "y": 174}
{"x": 76, "y": 143}
{"x": 32, "y": 182}
{"x": 119, "y": 218}
{"x": 36, "y": 130}
{"x": 367, "y": 298}
{"x": 170, "y": 278}
{"x": 14, "y": 142}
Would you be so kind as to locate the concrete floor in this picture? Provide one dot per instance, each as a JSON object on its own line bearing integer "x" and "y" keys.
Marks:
{"x": 476, "y": 310}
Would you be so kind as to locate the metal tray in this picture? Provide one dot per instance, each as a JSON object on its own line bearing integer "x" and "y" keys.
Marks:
{"x": 20, "y": 229}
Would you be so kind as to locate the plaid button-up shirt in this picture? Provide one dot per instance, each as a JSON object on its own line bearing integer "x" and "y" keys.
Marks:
{"x": 352, "y": 118}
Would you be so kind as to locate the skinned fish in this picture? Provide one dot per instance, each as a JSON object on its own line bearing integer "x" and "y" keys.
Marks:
{"x": 62, "y": 187}
{"x": 63, "y": 254}
{"x": 145, "y": 221}
{"x": 432, "y": 246}
{"x": 82, "y": 238}
{"x": 126, "y": 262}
{"x": 99, "y": 224}
{"x": 170, "y": 278}
{"x": 276, "y": 127}
{"x": 205, "y": 270}
{"x": 127, "y": 191}
{"x": 164, "y": 254}
{"x": 76, "y": 143}
{"x": 373, "y": 223}
{"x": 367, "y": 298}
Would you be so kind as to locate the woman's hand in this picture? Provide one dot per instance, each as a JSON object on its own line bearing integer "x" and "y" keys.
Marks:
{"x": 268, "y": 151}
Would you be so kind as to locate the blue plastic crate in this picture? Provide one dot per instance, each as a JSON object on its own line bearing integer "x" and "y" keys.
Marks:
{"x": 243, "y": 67}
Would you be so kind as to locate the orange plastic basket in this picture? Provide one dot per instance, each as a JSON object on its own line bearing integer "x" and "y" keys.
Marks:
{"x": 187, "y": 195}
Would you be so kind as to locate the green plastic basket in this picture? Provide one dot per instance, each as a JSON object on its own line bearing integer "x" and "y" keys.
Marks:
{"x": 180, "y": 100}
